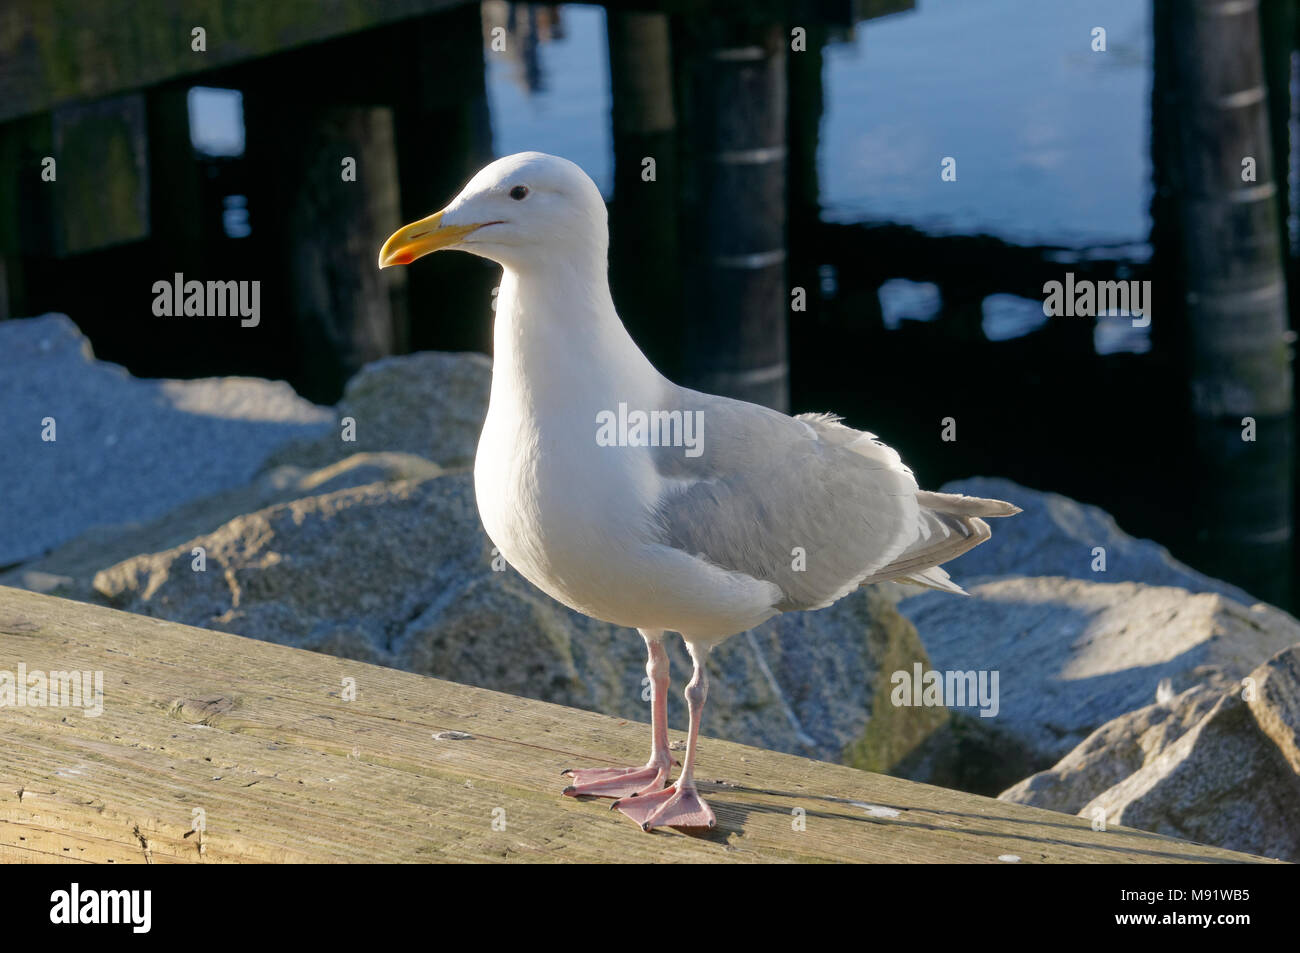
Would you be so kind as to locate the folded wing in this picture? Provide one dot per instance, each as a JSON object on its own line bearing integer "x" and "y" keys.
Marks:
{"x": 808, "y": 504}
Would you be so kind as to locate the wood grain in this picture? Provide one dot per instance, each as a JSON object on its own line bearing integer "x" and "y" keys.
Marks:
{"x": 260, "y": 739}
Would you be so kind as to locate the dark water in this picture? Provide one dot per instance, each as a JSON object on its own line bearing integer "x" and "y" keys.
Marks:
{"x": 1052, "y": 139}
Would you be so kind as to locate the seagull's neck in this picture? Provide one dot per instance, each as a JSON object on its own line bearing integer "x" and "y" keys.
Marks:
{"x": 558, "y": 340}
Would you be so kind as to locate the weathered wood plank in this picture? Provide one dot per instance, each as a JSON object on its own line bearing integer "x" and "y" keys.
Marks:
{"x": 258, "y": 737}
{"x": 59, "y": 51}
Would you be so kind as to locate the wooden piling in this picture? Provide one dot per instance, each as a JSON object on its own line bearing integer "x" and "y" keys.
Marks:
{"x": 26, "y": 214}
{"x": 736, "y": 293}
{"x": 102, "y": 196}
{"x": 177, "y": 222}
{"x": 444, "y": 136}
{"x": 803, "y": 204}
{"x": 645, "y": 255}
{"x": 1238, "y": 345}
{"x": 1278, "y": 42}
{"x": 321, "y": 233}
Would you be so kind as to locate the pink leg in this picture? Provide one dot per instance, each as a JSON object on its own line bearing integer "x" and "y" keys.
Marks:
{"x": 679, "y": 805}
{"x": 629, "y": 782}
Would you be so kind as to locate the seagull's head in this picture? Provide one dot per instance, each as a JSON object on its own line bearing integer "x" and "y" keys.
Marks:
{"x": 519, "y": 211}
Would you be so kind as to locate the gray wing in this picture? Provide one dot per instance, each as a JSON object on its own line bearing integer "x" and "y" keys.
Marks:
{"x": 806, "y": 503}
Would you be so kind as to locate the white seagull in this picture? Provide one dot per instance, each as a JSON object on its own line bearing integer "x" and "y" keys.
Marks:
{"x": 648, "y": 505}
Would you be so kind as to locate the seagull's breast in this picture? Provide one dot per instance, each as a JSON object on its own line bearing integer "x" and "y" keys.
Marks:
{"x": 565, "y": 508}
{"x": 572, "y": 501}
{"x": 566, "y": 512}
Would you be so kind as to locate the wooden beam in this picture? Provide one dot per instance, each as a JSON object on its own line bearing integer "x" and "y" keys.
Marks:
{"x": 255, "y": 744}
{"x": 59, "y": 51}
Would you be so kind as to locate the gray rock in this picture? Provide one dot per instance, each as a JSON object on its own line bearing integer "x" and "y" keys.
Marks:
{"x": 1055, "y": 536}
{"x": 401, "y": 574}
{"x": 69, "y": 570}
{"x": 1233, "y": 779}
{"x": 126, "y": 449}
{"x": 431, "y": 404}
{"x": 1274, "y": 699}
{"x": 1114, "y": 751}
{"x": 1072, "y": 655}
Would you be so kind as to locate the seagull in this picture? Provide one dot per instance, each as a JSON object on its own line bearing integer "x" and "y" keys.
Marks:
{"x": 648, "y": 505}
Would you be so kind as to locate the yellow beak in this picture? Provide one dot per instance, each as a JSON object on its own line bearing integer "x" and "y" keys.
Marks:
{"x": 419, "y": 238}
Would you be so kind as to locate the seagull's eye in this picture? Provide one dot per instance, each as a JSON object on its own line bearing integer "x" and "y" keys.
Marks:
{"x": 519, "y": 193}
